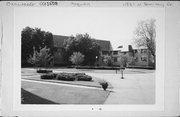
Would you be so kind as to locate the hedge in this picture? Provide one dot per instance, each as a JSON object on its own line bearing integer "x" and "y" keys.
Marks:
{"x": 48, "y": 76}
{"x": 67, "y": 76}
{"x": 44, "y": 71}
{"x": 82, "y": 77}
{"x": 100, "y": 67}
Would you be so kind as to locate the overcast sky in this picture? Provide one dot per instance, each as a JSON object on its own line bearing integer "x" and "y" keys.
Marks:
{"x": 115, "y": 24}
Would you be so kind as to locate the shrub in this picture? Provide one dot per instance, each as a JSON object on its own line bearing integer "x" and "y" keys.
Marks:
{"x": 65, "y": 76}
{"x": 48, "y": 76}
{"x": 77, "y": 58}
{"x": 44, "y": 71}
{"x": 104, "y": 84}
{"x": 82, "y": 77}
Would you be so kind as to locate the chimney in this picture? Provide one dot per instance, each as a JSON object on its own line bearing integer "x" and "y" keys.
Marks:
{"x": 130, "y": 49}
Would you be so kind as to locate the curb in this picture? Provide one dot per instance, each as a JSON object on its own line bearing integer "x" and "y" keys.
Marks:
{"x": 52, "y": 81}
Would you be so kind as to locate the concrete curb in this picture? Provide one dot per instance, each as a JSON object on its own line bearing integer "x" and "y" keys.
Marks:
{"x": 54, "y": 81}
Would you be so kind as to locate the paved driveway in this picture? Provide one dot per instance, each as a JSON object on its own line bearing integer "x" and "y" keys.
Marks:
{"x": 134, "y": 89}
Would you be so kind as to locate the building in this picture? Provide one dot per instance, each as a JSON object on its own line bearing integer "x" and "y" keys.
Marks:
{"x": 59, "y": 50}
{"x": 143, "y": 57}
{"x": 105, "y": 48}
{"x": 140, "y": 57}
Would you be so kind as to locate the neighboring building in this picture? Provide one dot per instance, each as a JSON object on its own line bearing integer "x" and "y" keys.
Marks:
{"x": 140, "y": 57}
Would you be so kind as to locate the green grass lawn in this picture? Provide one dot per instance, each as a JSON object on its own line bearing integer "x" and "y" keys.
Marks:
{"x": 30, "y": 98}
{"x": 36, "y": 93}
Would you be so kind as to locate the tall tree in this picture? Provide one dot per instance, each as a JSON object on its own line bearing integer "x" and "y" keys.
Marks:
{"x": 84, "y": 44}
{"x": 145, "y": 35}
{"x": 26, "y": 44}
{"x": 43, "y": 58}
{"x": 34, "y": 38}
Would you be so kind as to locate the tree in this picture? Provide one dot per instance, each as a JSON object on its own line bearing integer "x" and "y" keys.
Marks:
{"x": 26, "y": 44}
{"x": 34, "y": 38}
{"x": 77, "y": 58}
{"x": 123, "y": 60}
{"x": 84, "y": 44}
{"x": 126, "y": 60}
{"x": 43, "y": 58}
{"x": 108, "y": 60}
{"x": 145, "y": 35}
{"x": 33, "y": 59}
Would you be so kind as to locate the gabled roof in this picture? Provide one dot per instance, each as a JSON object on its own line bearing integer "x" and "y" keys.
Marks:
{"x": 104, "y": 44}
{"x": 59, "y": 40}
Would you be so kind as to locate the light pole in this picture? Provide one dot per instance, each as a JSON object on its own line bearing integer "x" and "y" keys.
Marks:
{"x": 96, "y": 60}
{"x": 121, "y": 66}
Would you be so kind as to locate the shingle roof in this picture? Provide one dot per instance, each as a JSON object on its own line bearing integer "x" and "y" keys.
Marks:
{"x": 104, "y": 44}
{"x": 59, "y": 40}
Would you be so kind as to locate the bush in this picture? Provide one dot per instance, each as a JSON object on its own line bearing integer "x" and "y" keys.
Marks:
{"x": 44, "y": 71}
{"x": 65, "y": 76}
{"x": 48, "y": 76}
{"x": 104, "y": 84}
{"x": 82, "y": 77}
{"x": 77, "y": 58}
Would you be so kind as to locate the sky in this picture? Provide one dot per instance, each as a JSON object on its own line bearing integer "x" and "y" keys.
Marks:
{"x": 115, "y": 24}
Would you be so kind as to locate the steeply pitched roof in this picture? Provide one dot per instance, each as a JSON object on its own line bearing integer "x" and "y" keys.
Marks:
{"x": 59, "y": 40}
{"x": 104, "y": 45}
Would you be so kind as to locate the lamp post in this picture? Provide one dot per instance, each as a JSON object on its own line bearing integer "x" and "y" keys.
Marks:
{"x": 96, "y": 60}
{"x": 121, "y": 66}
{"x": 122, "y": 69}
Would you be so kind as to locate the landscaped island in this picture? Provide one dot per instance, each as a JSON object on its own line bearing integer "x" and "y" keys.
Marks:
{"x": 78, "y": 88}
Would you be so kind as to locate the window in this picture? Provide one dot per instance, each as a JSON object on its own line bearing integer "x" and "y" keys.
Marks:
{"x": 145, "y": 51}
{"x": 115, "y": 59}
{"x": 115, "y": 52}
{"x": 135, "y": 51}
{"x": 136, "y": 59}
